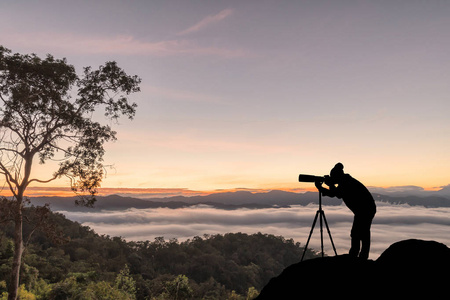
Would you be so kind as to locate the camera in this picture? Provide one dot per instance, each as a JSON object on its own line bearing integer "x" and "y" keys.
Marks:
{"x": 318, "y": 180}
{"x": 310, "y": 178}
{"x": 313, "y": 178}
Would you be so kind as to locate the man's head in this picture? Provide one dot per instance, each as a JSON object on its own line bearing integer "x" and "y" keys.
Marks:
{"x": 337, "y": 173}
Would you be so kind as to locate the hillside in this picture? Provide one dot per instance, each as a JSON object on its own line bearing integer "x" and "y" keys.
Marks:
{"x": 228, "y": 266}
{"x": 208, "y": 267}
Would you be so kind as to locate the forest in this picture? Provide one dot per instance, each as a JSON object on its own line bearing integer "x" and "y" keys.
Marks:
{"x": 74, "y": 262}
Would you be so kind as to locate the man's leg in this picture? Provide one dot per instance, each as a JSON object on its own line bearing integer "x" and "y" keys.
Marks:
{"x": 364, "y": 254}
{"x": 365, "y": 237}
{"x": 354, "y": 250}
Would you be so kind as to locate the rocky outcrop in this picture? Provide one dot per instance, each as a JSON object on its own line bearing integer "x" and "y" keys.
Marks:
{"x": 407, "y": 268}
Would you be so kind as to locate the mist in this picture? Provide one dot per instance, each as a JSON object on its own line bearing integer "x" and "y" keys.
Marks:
{"x": 392, "y": 223}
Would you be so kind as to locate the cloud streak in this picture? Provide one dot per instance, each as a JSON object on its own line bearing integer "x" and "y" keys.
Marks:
{"x": 207, "y": 21}
{"x": 392, "y": 223}
{"x": 69, "y": 43}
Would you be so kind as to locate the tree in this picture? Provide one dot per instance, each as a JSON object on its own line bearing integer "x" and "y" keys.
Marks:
{"x": 47, "y": 113}
{"x": 126, "y": 283}
{"x": 178, "y": 288}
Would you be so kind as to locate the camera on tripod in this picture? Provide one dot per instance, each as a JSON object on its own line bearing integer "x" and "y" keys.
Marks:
{"x": 312, "y": 178}
{"x": 320, "y": 213}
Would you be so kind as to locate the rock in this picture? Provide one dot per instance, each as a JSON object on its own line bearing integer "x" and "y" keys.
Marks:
{"x": 407, "y": 268}
{"x": 414, "y": 253}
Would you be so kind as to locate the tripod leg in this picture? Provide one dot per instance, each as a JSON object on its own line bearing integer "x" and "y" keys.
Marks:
{"x": 321, "y": 231}
{"x": 310, "y": 233}
{"x": 329, "y": 233}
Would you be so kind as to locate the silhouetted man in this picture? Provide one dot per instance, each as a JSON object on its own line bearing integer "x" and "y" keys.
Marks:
{"x": 359, "y": 200}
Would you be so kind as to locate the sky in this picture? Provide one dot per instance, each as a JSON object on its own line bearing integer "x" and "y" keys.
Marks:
{"x": 248, "y": 94}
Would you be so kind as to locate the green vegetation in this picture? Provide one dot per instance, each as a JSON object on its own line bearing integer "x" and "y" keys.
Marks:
{"x": 88, "y": 266}
{"x": 42, "y": 120}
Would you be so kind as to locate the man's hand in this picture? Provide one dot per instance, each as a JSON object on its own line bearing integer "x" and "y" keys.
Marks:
{"x": 318, "y": 185}
{"x": 322, "y": 190}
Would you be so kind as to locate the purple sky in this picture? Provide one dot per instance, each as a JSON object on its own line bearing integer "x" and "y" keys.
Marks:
{"x": 251, "y": 93}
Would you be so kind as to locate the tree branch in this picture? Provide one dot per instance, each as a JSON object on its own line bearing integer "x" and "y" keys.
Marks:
{"x": 42, "y": 181}
{"x": 9, "y": 179}
{"x": 11, "y": 150}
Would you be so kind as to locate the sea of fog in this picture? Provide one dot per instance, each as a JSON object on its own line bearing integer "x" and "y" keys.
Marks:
{"x": 392, "y": 223}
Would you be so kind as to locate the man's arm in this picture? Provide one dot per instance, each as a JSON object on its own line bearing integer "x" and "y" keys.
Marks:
{"x": 326, "y": 192}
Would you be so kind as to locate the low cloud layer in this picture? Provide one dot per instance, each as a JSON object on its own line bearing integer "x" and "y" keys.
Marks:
{"x": 392, "y": 223}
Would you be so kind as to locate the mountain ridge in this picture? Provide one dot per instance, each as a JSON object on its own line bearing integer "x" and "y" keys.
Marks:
{"x": 228, "y": 201}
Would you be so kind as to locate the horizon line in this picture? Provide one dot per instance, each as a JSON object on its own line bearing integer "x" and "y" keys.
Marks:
{"x": 55, "y": 191}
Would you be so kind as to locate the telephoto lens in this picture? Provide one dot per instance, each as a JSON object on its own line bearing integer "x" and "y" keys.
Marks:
{"x": 310, "y": 178}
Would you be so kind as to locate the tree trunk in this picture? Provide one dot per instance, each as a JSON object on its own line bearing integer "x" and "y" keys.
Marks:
{"x": 18, "y": 229}
{"x": 18, "y": 250}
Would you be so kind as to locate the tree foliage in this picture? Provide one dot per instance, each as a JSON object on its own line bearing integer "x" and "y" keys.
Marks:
{"x": 230, "y": 266}
{"x": 46, "y": 113}
{"x": 47, "y": 110}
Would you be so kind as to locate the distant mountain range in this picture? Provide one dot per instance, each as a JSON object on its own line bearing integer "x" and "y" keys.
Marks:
{"x": 229, "y": 201}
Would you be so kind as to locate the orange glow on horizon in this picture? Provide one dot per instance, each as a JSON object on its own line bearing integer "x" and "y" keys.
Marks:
{"x": 146, "y": 192}
{"x": 165, "y": 192}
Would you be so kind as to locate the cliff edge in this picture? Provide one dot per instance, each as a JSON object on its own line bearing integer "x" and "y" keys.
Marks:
{"x": 406, "y": 268}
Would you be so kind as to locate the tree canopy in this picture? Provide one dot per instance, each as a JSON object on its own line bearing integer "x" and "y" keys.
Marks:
{"x": 229, "y": 266}
{"x": 47, "y": 113}
{"x": 47, "y": 108}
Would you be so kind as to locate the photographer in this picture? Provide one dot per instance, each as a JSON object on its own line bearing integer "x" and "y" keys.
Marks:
{"x": 359, "y": 200}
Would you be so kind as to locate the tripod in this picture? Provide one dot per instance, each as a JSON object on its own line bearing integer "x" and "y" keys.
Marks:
{"x": 322, "y": 219}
